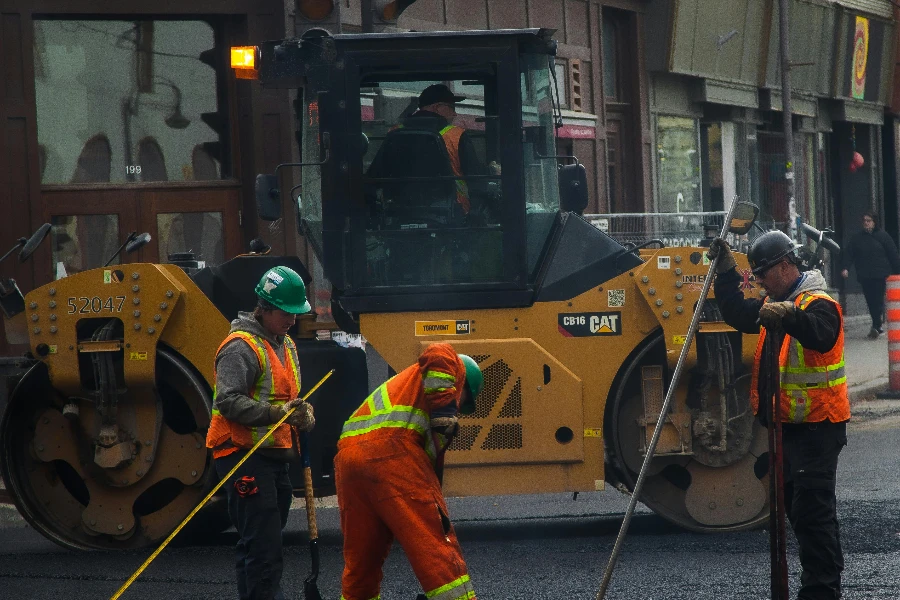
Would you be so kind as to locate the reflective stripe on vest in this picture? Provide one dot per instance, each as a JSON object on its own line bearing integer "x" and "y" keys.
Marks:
{"x": 263, "y": 390}
{"x": 383, "y": 414}
{"x": 459, "y": 589}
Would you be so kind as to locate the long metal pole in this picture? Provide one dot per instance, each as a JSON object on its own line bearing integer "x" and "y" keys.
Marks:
{"x": 787, "y": 114}
{"x": 663, "y": 413}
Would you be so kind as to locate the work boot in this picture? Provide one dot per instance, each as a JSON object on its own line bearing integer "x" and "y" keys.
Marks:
{"x": 873, "y": 333}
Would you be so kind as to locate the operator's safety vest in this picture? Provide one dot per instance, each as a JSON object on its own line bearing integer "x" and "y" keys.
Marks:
{"x": 451, "y": 135}
{"x": 277, "y": 383}
{"x": 387, "y": 409}
{"x": 813, "y": 385}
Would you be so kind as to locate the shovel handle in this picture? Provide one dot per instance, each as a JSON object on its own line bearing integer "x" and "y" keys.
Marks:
{"x": 310, "y": 504}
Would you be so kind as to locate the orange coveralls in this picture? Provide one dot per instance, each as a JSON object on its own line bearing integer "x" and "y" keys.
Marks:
{"x": 387, "y": 486}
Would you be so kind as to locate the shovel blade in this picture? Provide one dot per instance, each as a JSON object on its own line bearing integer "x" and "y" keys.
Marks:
{"x": 311, "y": 591}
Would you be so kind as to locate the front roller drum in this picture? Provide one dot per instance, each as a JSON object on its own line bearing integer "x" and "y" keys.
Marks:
{"x": 50, "y": 467}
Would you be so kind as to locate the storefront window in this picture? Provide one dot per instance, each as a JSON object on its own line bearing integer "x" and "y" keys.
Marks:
{"x": 83, "y": 242}
{"x": 678, "y": 165}
{"x": 127, "y": 101}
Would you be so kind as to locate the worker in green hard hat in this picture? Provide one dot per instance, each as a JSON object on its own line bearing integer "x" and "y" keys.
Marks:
{"x": 257, "y": 382}
{"x": 388, "y": 475}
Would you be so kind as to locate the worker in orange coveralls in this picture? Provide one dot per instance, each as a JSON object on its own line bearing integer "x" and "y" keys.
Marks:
{"x": 387, "y": 475}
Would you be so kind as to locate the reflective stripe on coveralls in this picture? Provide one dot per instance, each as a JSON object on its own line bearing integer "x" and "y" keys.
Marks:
{"x": 813, "y": 384}
{"x": 383, "y": 414}
{"x": 277, "y": 383}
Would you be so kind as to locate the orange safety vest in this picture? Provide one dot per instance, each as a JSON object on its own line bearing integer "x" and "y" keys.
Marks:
{"x": 451, "y": 135}
{"x": 400, "y": 406}
{"x": 277, "y": 383}
{"x": 813, "y": 384}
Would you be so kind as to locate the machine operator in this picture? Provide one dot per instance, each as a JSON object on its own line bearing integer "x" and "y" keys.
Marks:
{"x": 813, "y": 392}
{"x": 387, "y": 472}
{"x": 257, "y": 382}
{"x": 436, "y": 113}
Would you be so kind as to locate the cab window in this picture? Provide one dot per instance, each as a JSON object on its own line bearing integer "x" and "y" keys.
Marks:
{"x": 431, "y": 179}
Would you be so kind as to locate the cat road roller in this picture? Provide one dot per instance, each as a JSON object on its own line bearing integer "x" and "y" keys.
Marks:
{"x": 576, "y": 333}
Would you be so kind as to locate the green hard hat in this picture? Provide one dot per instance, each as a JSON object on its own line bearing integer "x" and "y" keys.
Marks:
{"x": 474, "y": 381}
{"x": 283, "y": 288}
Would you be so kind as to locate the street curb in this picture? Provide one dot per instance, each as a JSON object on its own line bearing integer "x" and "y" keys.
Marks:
{"x": 867, "y": 391}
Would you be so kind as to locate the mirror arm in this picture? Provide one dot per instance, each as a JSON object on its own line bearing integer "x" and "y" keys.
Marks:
{"x": 19, "y": 244}
{"x": 130, "y": 237}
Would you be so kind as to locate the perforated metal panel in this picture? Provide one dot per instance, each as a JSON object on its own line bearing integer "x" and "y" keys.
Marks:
{"x": 496, "y": 376}
{"x": 465, "y": 438}
{"x": 503, "y": 436}
{"x": 513, "y": 405}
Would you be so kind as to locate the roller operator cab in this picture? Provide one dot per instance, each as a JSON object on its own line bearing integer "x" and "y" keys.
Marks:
{"x": 467, "y": 230}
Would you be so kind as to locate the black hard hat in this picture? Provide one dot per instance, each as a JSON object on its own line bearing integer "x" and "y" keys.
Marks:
{"x": 438, "y": 93}
{"x": 769, "y": 249}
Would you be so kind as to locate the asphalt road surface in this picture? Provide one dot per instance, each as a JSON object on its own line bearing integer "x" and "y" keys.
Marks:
{"x": 546, "y": 546}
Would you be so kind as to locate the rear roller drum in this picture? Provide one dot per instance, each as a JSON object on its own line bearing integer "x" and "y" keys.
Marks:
{"x": 699, "y": 490}
{"x": 129, "y": 496}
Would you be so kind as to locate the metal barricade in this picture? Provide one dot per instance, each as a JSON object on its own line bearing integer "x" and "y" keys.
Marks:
{"x": 674, "y": 229}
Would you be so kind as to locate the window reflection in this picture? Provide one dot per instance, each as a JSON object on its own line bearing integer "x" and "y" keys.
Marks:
{"x": 679, "y": 164}
{"x": 199, "y": 233}
{"x": 82, "y": 242}
{"x": 104, "y": 88}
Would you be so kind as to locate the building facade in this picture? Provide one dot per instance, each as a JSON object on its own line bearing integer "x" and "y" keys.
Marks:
{"x": 126, "y": 117}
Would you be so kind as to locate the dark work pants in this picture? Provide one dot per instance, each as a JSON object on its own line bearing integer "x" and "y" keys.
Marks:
{"x": 810, "y": 463}
{"x": 259, "y": 519}
{"x": 873, "y": 290}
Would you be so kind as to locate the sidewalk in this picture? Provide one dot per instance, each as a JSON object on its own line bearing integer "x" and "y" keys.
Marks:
{"x": 865, "y": 360}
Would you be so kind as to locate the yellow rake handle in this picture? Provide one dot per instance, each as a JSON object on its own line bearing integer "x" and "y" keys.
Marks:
{"x": 156, "y": 552}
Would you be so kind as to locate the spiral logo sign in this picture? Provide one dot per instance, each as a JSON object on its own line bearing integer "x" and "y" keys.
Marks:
{"x": 860, "y": 58}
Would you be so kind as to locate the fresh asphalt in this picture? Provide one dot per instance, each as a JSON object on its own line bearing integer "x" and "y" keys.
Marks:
{"x": 544, "y": 546}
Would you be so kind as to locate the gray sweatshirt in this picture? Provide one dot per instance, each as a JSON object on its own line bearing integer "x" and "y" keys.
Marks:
{"x": 237, "y": 369}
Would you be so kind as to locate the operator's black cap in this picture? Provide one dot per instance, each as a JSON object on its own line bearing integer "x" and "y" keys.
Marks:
{"x": 437, "y": 93}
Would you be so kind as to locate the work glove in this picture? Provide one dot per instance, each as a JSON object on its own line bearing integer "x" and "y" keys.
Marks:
{"x": 719, "y": 247}
{"x": 773, "y": 314}
{"x": 302, "y": 418}
{"x": 443, "y": 430}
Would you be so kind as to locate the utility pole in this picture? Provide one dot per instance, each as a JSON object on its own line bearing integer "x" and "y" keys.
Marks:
{"x": 787, "y": 115}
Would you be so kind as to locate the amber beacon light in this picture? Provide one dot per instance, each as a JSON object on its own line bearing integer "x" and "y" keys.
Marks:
{"x": 243, "y": 61}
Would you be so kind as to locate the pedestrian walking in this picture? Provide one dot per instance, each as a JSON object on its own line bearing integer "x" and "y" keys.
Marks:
{"x": 257, "y": 382}
{"x": 813, "y": 392}
{"x": 874, "y": 255}
{"x": 388, "y": 480}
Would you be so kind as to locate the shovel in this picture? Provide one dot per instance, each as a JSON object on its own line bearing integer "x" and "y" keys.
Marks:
{"x": 777, "y": 530}
{"x": 310, "y": 585}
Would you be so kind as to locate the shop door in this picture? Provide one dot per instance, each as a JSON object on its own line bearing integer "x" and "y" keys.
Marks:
{"x": 134, "y": 134}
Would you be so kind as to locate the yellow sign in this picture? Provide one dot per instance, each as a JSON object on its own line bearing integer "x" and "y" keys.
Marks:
{"x": 137, "y": 356}
{"x": 860, "y": 58}
{"x": 679, "y": 340}
{"x": 589, "y": 432}
{"x": 442, "y": 328}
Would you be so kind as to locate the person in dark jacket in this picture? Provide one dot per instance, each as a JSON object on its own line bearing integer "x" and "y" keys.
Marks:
{"x": 812, "y": 392}
{"x": 874, "y": 255}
